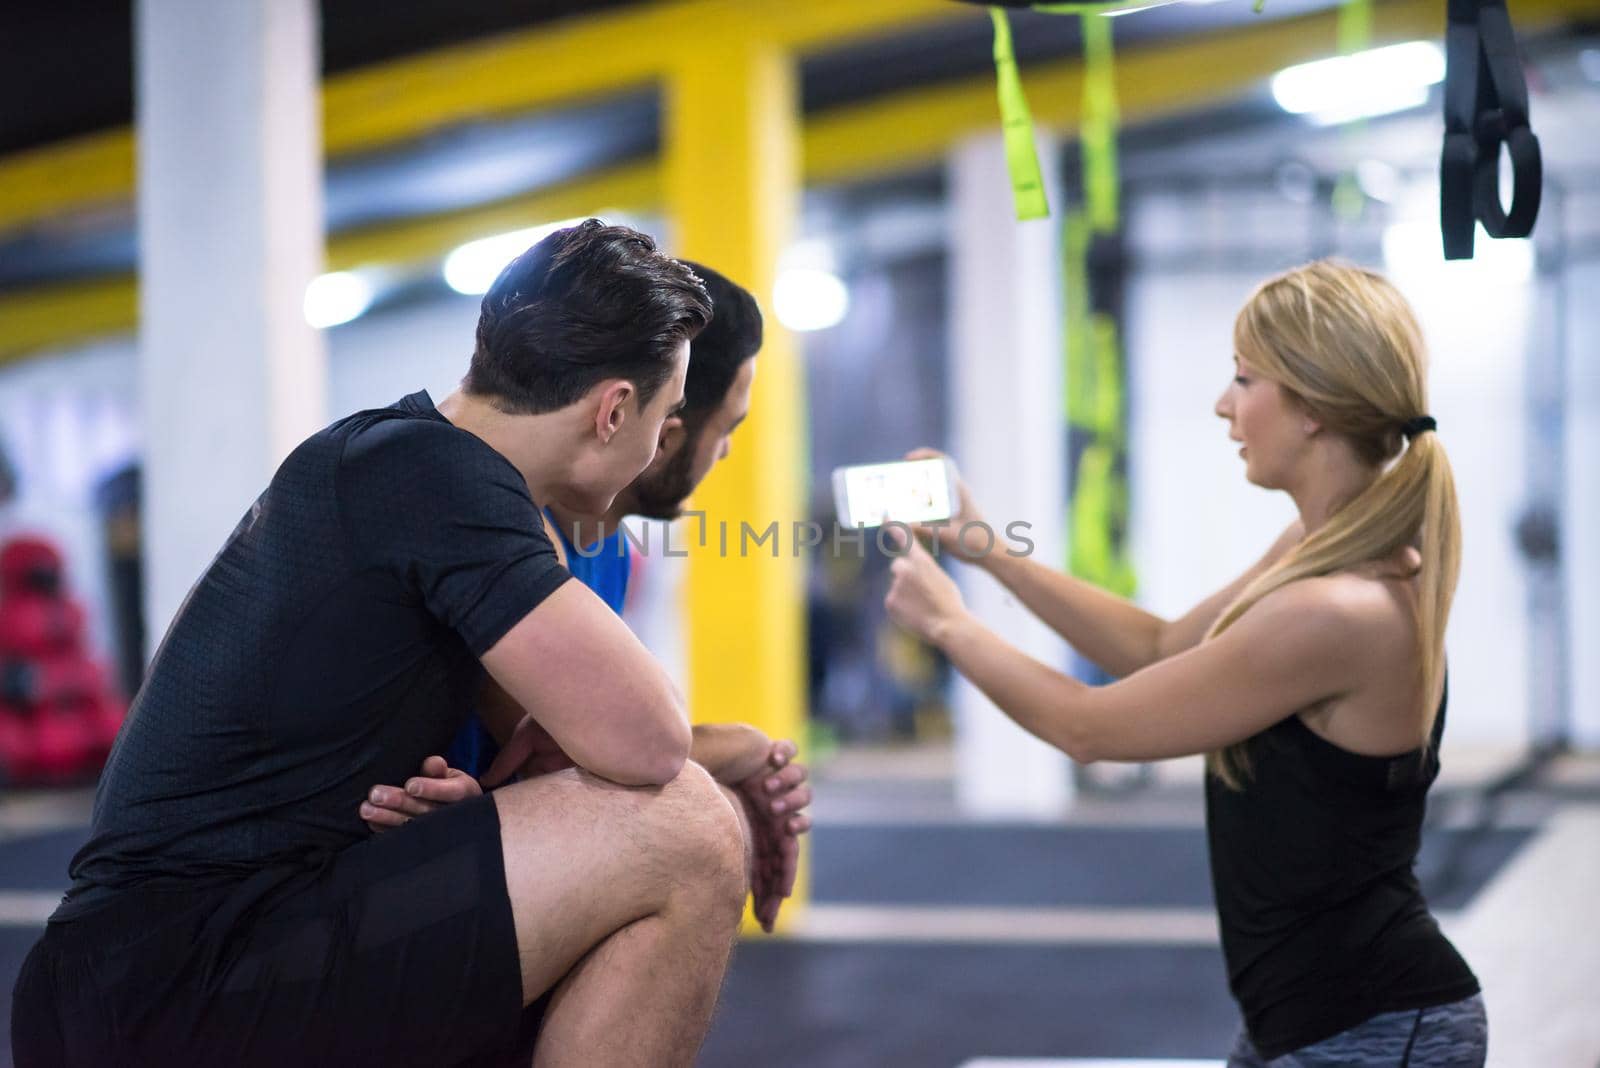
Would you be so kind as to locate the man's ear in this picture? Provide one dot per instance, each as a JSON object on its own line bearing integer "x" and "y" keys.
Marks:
{"x": 611, "y": 412}
{"x": 673, "y": 435}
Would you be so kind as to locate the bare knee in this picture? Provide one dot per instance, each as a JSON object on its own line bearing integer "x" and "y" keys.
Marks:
{"x": 701, "y": 840}
{"x": 644, "y": 848}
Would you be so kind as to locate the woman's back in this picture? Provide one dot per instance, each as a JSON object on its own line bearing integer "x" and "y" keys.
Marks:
{"x": 1323, "y": 922}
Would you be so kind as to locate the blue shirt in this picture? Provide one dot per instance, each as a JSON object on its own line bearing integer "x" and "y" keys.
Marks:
{"x": 604, "y": 568}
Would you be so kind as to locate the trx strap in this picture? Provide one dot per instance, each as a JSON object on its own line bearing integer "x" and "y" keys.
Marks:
{"x": 1022, "y": 160}
{"x": 1485, "y": 106}
{"x": 1354, "y": 32}
{"x": 1094, "y": 267}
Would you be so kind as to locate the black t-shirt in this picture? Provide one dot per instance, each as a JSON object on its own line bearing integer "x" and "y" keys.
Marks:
{"x": 332, "y": 645}
{"x": 1323, "y": 922}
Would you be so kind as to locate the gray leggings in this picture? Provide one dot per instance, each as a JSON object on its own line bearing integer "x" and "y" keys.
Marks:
{"x": 1446, "y": 1036}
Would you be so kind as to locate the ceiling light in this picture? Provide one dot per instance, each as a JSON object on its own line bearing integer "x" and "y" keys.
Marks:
{"x": 1374, "y": 82}
{"x": 337, "y": 298}
{"x": 472, "y": 268}
{"x": 806, "y": 298}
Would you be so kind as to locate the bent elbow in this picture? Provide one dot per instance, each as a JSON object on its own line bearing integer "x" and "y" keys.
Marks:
{"x": 663, "y": 756}
{"x": 644, "y": 756}
{"x": 1081, "y": 754}
{"x": 1078, "y": 743}
{"x": 1084, "y": 757}
{"x": 671, "y": 752}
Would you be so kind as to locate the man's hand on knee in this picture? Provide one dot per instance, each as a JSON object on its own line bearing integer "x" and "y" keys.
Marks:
{"x": 775, "y": 798}
{"x": 436, "y": 785}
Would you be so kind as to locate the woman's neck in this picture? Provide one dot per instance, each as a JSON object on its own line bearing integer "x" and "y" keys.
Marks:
{"x": 1333, "y": 479}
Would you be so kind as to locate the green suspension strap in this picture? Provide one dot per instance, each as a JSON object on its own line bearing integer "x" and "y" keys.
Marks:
{"x": 1027, "y": 188}
{"x": 1099, "y": 125}
{"x": 1354, "y": 34}
{"x": 1022, "y": 160}
{"x": 1095, "y": 375}
{"x": 1094, "y": 381}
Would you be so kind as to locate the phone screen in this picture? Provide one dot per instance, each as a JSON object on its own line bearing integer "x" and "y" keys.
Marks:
{"x": 911, "y": 491}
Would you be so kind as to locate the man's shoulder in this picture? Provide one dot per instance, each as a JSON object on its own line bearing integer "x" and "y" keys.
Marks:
{"x": 378, "y": 439}
{"x": 419, "y": 469}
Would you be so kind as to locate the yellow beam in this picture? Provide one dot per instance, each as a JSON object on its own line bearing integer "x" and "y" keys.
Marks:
{"x": 732, "y": 180}
{"x": 85, "y": 173}
{"x": 897, "y": 131}
{"x": 633, "y": 187}
{"x": 1159, "y": 78}
{"x": 534, "y": 69}
{"x": 52, "y": 316}
{"x": 406, "y": 99}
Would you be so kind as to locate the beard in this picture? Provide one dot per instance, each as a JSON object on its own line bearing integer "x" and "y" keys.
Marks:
{"x": 662, "y": 494}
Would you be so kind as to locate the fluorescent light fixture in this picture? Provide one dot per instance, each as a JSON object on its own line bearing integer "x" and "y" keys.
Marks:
{"x": 472, "y": 268}
{"x": 337, "y": 298}
{"x": 806, "y": 298}
{"x": 1141, "y": 7}
{"x": 1374, "y": 82}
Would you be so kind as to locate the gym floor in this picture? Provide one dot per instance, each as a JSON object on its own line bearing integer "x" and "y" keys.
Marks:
{"x": 931, "y": 941}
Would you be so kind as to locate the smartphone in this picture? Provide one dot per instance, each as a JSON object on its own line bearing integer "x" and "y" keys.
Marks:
{"x": 906, "y": 491}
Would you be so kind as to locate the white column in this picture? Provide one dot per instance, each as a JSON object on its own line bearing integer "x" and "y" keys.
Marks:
{"x": 1008, "y": 438}
{"x": 1580, "y": 534}
{"x": 230, "y": 232}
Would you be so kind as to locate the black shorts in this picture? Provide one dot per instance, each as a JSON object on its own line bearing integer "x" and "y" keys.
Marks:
{"x": 399, "y": 950}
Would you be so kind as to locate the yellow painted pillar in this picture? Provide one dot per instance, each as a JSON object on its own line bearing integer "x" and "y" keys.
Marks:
{"x": 732, "y": 177}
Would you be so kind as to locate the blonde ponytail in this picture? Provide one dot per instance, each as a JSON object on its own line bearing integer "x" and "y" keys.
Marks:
{"x": 1344, "y": 343}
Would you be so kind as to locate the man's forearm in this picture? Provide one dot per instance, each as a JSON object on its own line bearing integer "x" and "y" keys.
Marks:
{"x": 731, "y": 752}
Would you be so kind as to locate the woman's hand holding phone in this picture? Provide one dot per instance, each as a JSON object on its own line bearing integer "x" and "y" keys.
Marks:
{"x": 948, "y": 531}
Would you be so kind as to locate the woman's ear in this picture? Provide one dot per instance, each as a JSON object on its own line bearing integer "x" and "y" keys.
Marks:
{"x": 1310, "y": 425}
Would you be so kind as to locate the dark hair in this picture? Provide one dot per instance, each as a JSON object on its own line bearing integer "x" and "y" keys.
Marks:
{"x": 733, "y": 336}
{"x": 585, "y": 304}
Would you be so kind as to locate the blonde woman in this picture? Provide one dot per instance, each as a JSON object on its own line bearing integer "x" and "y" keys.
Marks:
{"x": 1314, "y": 683}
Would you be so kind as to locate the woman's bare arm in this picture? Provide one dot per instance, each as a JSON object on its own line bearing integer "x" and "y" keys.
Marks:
{"x": 1110, "y": 630}
{"x": 1296, "y": 647}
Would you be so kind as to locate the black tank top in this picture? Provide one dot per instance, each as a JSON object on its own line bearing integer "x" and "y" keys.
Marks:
{"x": 1323, "y": 923}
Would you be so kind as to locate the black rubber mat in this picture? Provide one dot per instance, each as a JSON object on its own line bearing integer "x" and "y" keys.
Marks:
{"x": 840, "y": 1005}
{"x": 39, "y": 861}
{"x": 788, "y": 1005}
{"x": 1033, "y": 866}
{"x": 791, "y": 1005}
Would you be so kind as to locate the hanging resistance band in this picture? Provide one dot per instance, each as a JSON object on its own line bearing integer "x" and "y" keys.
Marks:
{"x": 1016, "y": 124}
{"x": 1354, "y": 32}
{"x": 1096, "y": 374}
{"x": 1485, "y": 106}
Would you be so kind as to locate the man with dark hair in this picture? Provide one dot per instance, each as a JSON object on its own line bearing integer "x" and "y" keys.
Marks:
{"x": 771, "y": 784}
{"x": 716, "y": 397}
{"x": 231, "y": 908}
